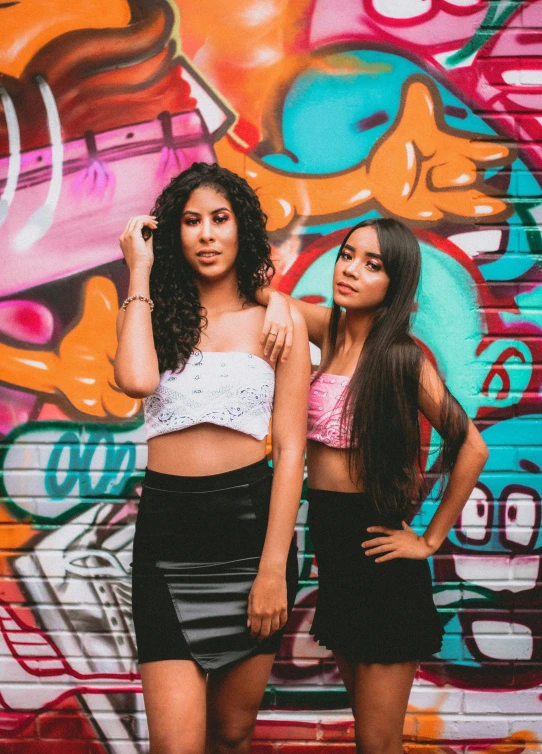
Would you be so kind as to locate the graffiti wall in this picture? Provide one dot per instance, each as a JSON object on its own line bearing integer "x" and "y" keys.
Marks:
{"x": 334, "y": 110}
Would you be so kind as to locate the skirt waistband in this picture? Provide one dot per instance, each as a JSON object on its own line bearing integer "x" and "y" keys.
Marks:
{"x": 324, "y": 496}
{"x": 359, "y": 506}
{"x": 255, "y": 472}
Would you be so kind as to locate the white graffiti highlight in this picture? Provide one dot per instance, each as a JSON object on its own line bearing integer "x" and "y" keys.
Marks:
{"x": 42, "y": 219}
{"x": 14, "y": 168}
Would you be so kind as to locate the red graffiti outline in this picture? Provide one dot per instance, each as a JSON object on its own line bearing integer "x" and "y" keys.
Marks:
{"x": 65, "y": 667}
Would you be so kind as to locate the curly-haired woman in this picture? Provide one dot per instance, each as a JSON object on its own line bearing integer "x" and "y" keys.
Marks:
{"x": 214, "y": 567}
{"x": 375, "y": 609}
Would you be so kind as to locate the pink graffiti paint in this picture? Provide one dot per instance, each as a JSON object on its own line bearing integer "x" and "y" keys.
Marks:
{"x": 122, "y": 178}
{"x": 26, "y": 321}
{"x": 438, "y": 25}
{"x": 507, "y": 79}
{"x": 16, "y": 408}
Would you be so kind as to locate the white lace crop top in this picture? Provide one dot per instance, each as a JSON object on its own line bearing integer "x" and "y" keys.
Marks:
{"x": 229, "y": 388}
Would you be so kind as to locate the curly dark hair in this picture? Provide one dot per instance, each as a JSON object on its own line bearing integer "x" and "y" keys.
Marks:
{"x": 178, "y": 316}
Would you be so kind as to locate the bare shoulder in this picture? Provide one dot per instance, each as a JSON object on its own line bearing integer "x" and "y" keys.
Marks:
{"x": 251, "y": 317}
{"x": 255, "y": 312}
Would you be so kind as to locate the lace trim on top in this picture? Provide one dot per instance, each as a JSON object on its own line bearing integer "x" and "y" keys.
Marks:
{"x": 231, "y": 389}
{"x": 326, "y": 401}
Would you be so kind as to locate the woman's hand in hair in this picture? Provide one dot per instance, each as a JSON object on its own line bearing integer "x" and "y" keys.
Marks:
{"x": 397, "y": 543}
{"x": 278, "y": 327}
{"x": 136, "y": 242}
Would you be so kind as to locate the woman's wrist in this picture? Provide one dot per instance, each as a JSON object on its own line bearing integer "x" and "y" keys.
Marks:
{"x": 272, "y": 570}
{"x": 139, "y": 281}
{"x": 140, "y": 269}
{"x": 432, "y": 542}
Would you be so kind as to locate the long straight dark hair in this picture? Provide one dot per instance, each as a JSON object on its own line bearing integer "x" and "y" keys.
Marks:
{"x": 382, "y": 400}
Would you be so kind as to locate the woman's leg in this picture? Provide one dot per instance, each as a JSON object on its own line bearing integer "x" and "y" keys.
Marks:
{"x": 380, "y": 701}
{"x": 175, "y": 702}
{"x": 234, "y": 698}
{"x": 347, "y": 671}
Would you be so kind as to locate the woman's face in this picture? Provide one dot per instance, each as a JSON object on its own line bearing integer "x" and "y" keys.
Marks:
{"x": 209, "y": 234}
{"x": 360, "y": 280}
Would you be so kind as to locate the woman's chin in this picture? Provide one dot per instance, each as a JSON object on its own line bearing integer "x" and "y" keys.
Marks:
{"x": 211, "y": 273}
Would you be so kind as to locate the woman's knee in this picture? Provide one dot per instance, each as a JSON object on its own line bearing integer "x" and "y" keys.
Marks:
{"x": 378, "y": 742}
{"x": 231, "y": 735}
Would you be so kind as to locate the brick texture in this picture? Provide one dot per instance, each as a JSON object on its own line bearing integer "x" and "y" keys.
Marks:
{"x": 393, "y": 97}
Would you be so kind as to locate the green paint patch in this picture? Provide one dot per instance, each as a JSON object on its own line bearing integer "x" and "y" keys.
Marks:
{"x": 52, "y": 470}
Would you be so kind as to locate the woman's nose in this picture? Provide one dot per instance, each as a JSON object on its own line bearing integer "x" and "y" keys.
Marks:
{"x": 352, "y": 269}
{"x": 206, "y": 229}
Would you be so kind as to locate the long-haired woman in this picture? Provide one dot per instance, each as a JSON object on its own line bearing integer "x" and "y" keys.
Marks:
{"x": 375, "y": 609}
{"x": 214, "y": 567}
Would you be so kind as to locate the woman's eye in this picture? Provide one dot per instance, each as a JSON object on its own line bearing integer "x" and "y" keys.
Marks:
{"x": 221, "y": 218}
{"x": 373, "y": 266}
{"x": 345, "y": 255}
{"x": 191, "y": 221}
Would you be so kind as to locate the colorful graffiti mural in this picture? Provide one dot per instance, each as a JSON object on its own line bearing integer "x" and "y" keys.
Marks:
{"x": 427, "y": 110}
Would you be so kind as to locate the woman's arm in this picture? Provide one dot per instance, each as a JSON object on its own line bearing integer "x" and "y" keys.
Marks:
{"x": 268, "y": 604}
{"x": 136, "y": 362}
{"x": 279, "y": 306}
{"x": 471, "y": 459}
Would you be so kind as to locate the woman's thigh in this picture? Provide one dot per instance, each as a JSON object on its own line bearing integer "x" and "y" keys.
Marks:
{"x": 175, "y": 703}
{"x": 381, "y": 695}
{"x": 235, "y": 696}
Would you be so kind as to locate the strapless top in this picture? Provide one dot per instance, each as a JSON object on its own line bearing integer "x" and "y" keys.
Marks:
{"x": 231, "y": 389}
{"x": 326, "y": 402}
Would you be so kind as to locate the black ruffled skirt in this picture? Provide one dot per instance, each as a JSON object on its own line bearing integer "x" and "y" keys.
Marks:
{"x": 368, "y": 612}
{"x": 197, "y": 547}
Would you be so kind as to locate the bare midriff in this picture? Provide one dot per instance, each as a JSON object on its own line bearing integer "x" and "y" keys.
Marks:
{"x": 203, "y": 450}
{"x": 328, "y": 468}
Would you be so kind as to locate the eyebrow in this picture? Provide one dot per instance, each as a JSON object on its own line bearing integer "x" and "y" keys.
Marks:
{"x": 214, "y": 211}
{"x": 372, "y": 254}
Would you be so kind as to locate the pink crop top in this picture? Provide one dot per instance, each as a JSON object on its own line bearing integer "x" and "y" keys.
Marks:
{"x": 326, "y": 401}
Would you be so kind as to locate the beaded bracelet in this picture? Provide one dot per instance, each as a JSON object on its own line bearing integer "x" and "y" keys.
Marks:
{"x": 139, "y": 297}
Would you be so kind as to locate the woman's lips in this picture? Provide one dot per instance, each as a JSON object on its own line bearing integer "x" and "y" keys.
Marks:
{"x": 207, "y": 256}
{"x": 345, "y": 288}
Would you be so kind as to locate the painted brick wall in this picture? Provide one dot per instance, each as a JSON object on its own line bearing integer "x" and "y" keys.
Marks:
{"x": 336, "y": 110}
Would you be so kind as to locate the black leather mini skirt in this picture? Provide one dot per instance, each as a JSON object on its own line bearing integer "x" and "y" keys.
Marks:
{"x": 197, "y": 548}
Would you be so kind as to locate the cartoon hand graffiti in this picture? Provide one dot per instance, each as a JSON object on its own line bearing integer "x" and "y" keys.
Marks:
{"x": 421, "y": 170}
{"x": 82, "y": 368}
